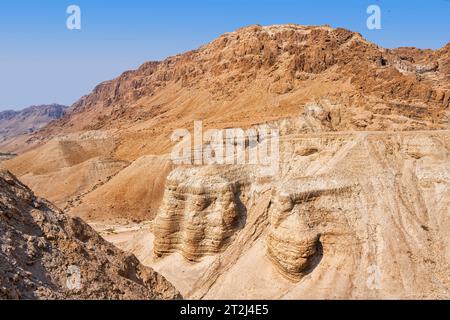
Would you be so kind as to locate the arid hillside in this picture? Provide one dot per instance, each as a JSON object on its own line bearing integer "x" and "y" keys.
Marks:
{"x": 15, "y": 126}
{"x": 257, "y": 74}
{"x": 349, "y": 215}
{"x": 42, "y": 248}
{"x": 359, "y": 207}
{"x": 251, "y": 76}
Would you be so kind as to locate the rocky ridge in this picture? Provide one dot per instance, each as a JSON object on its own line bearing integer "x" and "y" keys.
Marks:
{"x": 279, "y": 64}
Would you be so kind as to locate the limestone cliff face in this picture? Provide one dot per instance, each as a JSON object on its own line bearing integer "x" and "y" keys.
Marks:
{"x": 351, "y": 215}
{"x": 260, "y": 73}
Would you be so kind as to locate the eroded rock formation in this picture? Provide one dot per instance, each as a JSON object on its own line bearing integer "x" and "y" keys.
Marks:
{"x": 299, "y": 223}
{"x": 42, "y": 249}
{"x": 200, "y": 213}
{"x": 363, "y": 213}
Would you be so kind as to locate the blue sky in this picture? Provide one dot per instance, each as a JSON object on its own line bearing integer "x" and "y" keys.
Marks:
{"x": 41, "y": 61}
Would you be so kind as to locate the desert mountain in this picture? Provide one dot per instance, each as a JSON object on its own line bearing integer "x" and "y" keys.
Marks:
{"x": 29, "y": 120}
{"x": 359, "y": 215}
{"x": 251, "y": 76}
{"x": 358, "y": 208}
{"x": 41, "y": 249}
{"x": 258, "y": 74}
{"x": 26, "y": 121}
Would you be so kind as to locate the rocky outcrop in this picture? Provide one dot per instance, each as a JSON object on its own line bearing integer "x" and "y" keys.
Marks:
{"x": 297, "y": 223}
{"x": 45, "y": 254}
{"x": 200, "y": 213}
{"x": 349, "y": 215}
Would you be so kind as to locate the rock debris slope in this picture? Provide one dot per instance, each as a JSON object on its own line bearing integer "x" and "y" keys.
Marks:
{"x": 41, "y": 249}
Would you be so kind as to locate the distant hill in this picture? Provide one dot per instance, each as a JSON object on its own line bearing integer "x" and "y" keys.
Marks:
{"x": 31, "y": 119}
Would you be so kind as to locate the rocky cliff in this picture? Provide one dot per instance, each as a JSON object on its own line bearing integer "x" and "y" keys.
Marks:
{"x": 259, "y": 73}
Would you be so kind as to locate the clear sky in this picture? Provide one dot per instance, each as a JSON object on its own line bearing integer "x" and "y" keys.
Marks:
{"x": 41, "y": 61}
